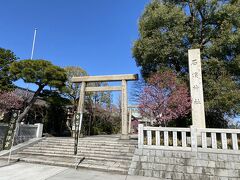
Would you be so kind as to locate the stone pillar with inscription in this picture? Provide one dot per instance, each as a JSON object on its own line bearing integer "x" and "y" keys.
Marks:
{"x": 12, "y": 128}
{"x": 196, "y": 87}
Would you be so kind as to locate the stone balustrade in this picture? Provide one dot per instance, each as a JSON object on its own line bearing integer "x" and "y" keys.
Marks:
{"x": 189, "y": 139}
{"x": 224, "y": 140}
{"x": 187, "y": 153}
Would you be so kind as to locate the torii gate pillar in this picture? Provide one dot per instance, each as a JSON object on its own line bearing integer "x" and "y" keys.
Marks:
{"x": 124, "y": 111}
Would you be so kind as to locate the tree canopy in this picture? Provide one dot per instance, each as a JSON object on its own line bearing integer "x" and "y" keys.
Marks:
{"x": 71, "y": 90}
{"x": 6, "y": 58}
{"x": 40, "y": 72}
{"x": 167, "y": 29}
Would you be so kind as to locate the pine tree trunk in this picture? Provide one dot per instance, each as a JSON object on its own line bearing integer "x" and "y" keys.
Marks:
{"x": 30, "y": 104}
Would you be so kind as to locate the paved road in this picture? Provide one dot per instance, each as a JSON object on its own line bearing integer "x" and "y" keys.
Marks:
{"x": 27, "y": 171}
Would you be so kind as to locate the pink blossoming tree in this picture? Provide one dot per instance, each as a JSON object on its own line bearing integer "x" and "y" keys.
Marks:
{"x": 9, "y": 100}
{"x": 164, "y": 98}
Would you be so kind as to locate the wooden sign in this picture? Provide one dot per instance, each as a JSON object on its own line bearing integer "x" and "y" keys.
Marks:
{"x": 77, "y": 123}
{"x": 7, "y": 143}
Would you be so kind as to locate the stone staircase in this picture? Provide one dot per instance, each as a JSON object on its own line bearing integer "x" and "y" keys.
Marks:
{"x": 104, "y": 153}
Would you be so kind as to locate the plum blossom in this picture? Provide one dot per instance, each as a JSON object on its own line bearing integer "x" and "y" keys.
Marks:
{"x": 164, "y": 98}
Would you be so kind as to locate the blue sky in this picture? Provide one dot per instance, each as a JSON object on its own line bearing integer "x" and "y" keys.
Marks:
{"x": 96, "y": 35}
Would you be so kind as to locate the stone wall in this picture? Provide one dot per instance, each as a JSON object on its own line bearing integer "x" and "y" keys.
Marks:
{"x": 25, "y": 133}
{"x": 169, "y": 164}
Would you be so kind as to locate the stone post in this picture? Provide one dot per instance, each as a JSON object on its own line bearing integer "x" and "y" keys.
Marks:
{"x": 194, "y": 138}
{"x": 39, "y": 130}
{"x": 129, "y": 120}
{"x": 196, "y": 87}
{"x": 140, "y": 136}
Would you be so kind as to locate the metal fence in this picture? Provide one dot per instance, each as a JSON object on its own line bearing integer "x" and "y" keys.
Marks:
{"x": 189, "y": 139}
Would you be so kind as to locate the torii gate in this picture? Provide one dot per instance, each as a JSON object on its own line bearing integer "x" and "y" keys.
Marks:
{"x": 123, "y": 78}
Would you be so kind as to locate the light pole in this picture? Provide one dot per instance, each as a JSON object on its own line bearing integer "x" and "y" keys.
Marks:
{"x": 33, "y": 44}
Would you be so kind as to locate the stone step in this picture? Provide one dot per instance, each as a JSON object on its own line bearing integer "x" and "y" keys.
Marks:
{"x": 104, "y": 153}
{"x": 72, "y": 159}
{"x": 88, "y": 143}
{"x": 85, "y": 151}
{"x": 134, "y": 142}
{"x": 110, "y": 163}
{"x": 51, "y": 148}
{"x": 88, "y": 156}
{"x": 51, "y": 154}
{"x": 80, "y": 152}
{"x": 95, "y": 138}
{"x": 85, "y": 145}
{"x": 100, "y": 166}
{"x": 71, "y": 149}
{"x": 88, "y": 139}
{"x": 107, "y": 149}
{"x": 30, "y": 151}
{"x": 91, "y": 142}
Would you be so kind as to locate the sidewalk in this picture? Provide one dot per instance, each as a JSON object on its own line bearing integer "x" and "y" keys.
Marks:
{"x": 27, "y": 171}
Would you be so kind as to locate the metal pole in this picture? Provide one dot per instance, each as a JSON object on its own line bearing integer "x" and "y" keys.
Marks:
{"x": 33, "y": 44}
{"x": 33, "y": 47}
{"x": 10, "y": 151}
